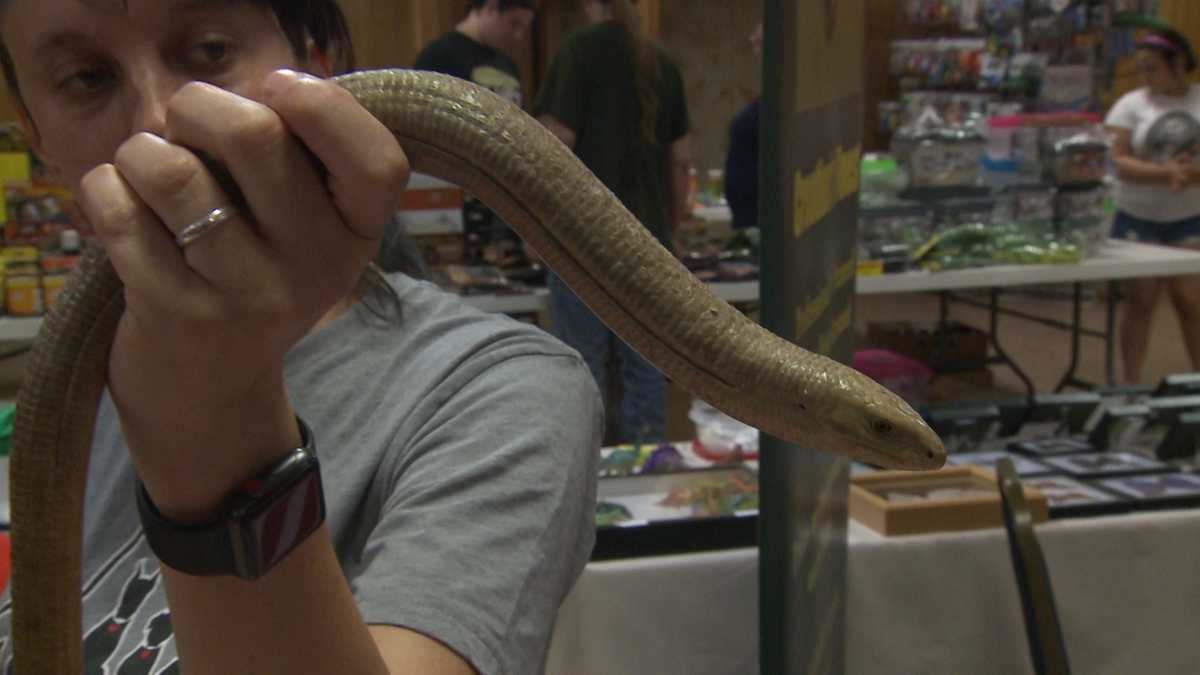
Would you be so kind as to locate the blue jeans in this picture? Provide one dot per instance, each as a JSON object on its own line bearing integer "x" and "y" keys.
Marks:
{"x": 642, "y": 416}
{"x": 1152, "y": 232}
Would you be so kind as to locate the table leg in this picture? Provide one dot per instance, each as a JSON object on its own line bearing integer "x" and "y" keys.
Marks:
{"x": 939, "y": 346}
{"x": 1110, "y": 335}
{"x": 1070, "y": 379}
{"x": 1002, "y": 356}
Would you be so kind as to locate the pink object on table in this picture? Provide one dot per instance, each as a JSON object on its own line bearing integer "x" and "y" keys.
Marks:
{"x": 897, "y": 372}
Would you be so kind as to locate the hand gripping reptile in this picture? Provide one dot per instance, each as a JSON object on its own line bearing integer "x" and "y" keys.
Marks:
{"x": 464, "y": 134}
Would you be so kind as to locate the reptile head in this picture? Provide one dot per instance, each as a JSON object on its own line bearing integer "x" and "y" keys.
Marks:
{"x": 871, "y": 424}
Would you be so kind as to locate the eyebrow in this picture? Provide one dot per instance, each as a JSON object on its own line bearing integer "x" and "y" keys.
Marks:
{"x": 68, "y": 38}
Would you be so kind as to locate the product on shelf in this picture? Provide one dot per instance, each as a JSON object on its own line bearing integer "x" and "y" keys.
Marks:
{"x": 1078, "y": 160}
{"x": 938, "y": 64}
{"x": 906, "y": 226}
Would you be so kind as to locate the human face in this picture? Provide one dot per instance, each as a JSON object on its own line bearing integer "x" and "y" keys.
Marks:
{"x": 596, "y": 11}
{"x": 93, "y": 73}
{"x": 1157, "y": 74}
{"x": 507, "y": 30}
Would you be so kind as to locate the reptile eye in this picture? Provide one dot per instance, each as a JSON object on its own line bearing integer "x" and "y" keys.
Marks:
{"x": 882, "y": 427}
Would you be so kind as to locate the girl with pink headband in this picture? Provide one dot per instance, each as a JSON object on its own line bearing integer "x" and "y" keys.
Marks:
{"x": 1156, "y": 141}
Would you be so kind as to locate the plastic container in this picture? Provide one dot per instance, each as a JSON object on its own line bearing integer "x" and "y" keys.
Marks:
{"x": 23, "y": 288}
{"x": 721, "y": 435}
{"x": 1078, "y": 161}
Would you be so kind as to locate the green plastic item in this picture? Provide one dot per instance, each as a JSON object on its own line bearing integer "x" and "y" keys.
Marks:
{"x": 7, "y": 412}
{"x": 875, "y": 164}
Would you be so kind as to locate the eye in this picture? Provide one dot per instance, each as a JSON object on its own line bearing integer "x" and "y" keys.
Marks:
{"x": 211, "y": 53}
{"x": 86, "y": 81}
{"x": 882, "y": 427}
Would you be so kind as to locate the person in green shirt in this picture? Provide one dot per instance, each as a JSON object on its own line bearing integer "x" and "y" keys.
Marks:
{"x": 618, "y": 101}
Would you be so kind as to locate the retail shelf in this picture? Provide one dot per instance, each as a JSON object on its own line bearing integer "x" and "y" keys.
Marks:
{"x": 19, "y": 329}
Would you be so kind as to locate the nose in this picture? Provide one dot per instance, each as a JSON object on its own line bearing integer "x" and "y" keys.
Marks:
{"x": 151, "y": 88}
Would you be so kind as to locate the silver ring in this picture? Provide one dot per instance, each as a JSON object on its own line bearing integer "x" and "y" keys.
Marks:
{"x": 198, "y": 229}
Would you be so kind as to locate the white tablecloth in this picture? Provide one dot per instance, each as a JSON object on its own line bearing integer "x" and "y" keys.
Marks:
{"x": 1127, "y": 586}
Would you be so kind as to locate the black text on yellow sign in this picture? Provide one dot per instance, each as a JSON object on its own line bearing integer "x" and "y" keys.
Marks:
{"x": 818, "y": 191}
{"x": 811, "y": 312}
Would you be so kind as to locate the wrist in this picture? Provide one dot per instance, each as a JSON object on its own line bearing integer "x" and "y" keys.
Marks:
{"x": 190, "y": 465}
{"x": 268, "y": 516}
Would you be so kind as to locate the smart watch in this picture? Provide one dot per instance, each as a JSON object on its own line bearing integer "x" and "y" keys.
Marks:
{"x": 268, "y": 516}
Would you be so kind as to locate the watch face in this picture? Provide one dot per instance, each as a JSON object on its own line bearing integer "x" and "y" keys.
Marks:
{"x": 276, "y": 513}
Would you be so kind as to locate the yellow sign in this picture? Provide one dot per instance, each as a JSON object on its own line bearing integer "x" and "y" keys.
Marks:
{"x": 837, "y": 329}
{"x": 806, "y": 316}
{"x": 814, "y": 197}
{"x": 817, "y": 192}
{"x": 813, "y": 310}
{"x": 848, "y": 163}
{"x": 844, "y": 274}
{"x": 829, "y": 51}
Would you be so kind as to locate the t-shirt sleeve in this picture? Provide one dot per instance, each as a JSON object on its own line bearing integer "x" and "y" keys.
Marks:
{"x": 440, "y": 56}
{"x": 491, "y": 517}
{"x": 563, "y": 94}
{"x": 1123, "y": 114}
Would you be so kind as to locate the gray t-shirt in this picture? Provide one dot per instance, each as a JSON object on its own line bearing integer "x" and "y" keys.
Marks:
{"x": 458, "y": 453}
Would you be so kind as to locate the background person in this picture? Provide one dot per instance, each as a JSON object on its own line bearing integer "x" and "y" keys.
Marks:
{"x": 1156, "y": 136}
{"x": 618, "y": 101}
{"x": 457, "y": 449}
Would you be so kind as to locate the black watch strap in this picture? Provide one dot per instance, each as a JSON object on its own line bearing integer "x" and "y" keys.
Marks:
{"x": 201, "y": 551}
{"x": 268, "y": 516}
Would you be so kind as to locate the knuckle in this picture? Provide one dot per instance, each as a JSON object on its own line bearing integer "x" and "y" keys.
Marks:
{"x": 174, "y": 173}
{"x": 310, "y": 96}
{"x": 388, "y": 171}
{"x": 272, "y": 304}
{"x": 113, "y": 215}
{"x": 203, "y": 311}
{"x": 108, "y": 210}
{"x": 259, "y": 130}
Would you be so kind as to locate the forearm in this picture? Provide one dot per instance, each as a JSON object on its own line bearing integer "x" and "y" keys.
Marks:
{"x": 1133, "y": 170}
{"x": 299, "y": 618}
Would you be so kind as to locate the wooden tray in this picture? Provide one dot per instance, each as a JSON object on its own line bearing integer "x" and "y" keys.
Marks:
{"x": 869, "y": 503}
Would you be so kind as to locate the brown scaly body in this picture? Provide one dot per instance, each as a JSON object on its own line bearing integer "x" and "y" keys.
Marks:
{"x": 459, "y": 132}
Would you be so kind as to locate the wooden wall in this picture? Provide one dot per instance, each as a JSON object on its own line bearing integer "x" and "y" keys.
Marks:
{"x": 389, "y": 33}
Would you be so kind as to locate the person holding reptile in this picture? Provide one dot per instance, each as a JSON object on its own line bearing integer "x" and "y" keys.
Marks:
{"x": 452, "y": 526}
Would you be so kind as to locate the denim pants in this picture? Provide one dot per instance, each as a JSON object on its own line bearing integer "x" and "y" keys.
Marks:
{"x": 642, "y": 413}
